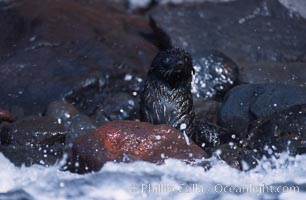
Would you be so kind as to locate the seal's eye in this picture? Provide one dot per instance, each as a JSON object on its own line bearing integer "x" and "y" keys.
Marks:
{"x": 166, "y": 62}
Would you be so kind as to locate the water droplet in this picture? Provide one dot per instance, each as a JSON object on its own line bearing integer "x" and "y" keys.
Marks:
{"x": 128, "y": 77}
{"x": 62, "y": 184}
{"x": 32, "y": 39}
{"x": 186, "y": 138}
{"x": 183, "y": 126}
{"x": 131, "y": 102}
{"x": 218, "y": 152}
{"x": 245, "y": 165}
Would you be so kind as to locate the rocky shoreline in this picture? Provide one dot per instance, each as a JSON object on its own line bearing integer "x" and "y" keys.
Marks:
{"x": 72, "y": 73}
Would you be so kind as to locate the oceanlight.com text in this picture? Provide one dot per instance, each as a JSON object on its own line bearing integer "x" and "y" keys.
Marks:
{"x": 217, "y": 188}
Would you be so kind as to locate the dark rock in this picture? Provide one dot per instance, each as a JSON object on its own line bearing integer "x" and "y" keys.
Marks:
{"x": 246, "y": 103}
{"x": 210, "y": 135}
{"x": 284, "y": 131}
{"x": 126, "y": 141}
{"x": 45, "y": 54}
{"x": 33, "y": 140}
{"x": 284, "y": 73}
{"x": 207, "y": 110}
{"x": 61, "y": 110}
{"x": 78, "y": 125}
{"x": 119, "y": 4}
{"x": 259, "y": 34}
{"x": 214, "y": 75}
{"x": 159, "y": 38}
{"x": 88, "y": 93}
{"x": 290, "y": 143}
{"x": 267, "y": 137}
{"x": 105, "y": 100}
{"x": 74, "y": 122}
{"x": 237, "y": 157}
{"x": 6, "y": 116}
{"x": 16, "y": 195}
{"x": 118, "y": 106}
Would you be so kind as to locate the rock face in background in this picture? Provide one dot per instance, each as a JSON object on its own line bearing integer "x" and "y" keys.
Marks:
{"x": 283, "y": 73}
{"x": 246, "y": 103}
{"x": 298, "y": 6}
{"x": 49, "y": 53}
{"x": 260, "y": 35}
{"x": 128, "y": 141}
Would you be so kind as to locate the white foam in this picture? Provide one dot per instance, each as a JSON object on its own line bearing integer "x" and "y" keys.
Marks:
{"x": 126, "y": 181}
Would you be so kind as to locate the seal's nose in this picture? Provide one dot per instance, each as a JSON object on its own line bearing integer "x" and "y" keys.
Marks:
{"x": 180, "y": 62}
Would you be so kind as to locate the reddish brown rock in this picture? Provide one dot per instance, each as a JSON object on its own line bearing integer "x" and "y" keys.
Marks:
{"x": 125, "y": 141}
{"x": 6, "y": 116}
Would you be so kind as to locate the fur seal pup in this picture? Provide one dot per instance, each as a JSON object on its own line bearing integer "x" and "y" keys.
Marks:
{"x": 167, "y": 97}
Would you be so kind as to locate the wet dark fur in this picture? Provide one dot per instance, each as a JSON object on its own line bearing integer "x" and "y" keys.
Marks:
{"x": 167, "y": 98}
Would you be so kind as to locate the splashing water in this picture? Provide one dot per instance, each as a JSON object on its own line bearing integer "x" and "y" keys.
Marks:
{"x": 172, "y": 180}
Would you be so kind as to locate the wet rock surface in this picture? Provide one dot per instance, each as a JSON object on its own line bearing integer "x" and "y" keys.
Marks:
{"x": 74, "y": 65}
{"x": 215, "y": 74}
{"x": 246, "y": 103}
{"x": 107, "y": 99}
{"x": 47, "y": 53}
{"x": 74, "y": 122}
{"x": 210, "y": 135}
{"x": 238, "y": 157}
{"x": 256, "y": 35}
{"x": 33, "y": 140}
{"x": 284, "y": 131}
{"x": 267, "y": 135}
{"x": 283, "y": 73}
{"x": 128, "y": 141}
{"x": 207, "y": 110}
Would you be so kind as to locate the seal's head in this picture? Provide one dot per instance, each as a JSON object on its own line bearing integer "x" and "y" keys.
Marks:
{"x": 173, "y": 65}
